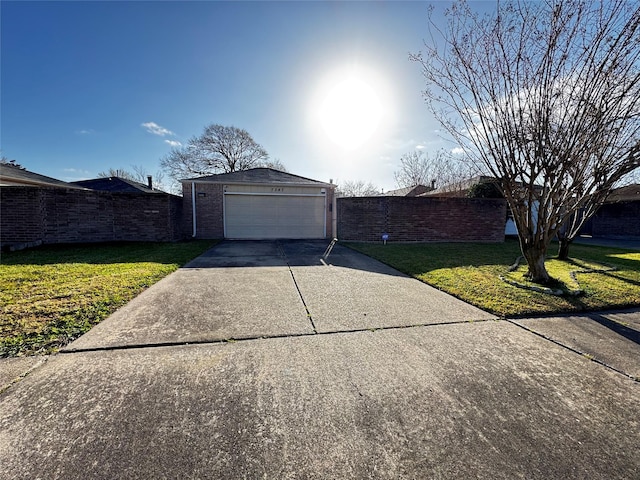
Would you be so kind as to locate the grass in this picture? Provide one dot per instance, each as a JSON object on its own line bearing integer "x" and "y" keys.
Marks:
{"x": 51, "y": 295}
{"x": 471, "y": 272}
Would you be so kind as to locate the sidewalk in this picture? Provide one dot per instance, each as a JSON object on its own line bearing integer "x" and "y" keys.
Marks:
{"x": 610, "y": 338}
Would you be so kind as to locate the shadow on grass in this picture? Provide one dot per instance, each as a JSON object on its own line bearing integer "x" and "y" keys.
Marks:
{"x": 107, "y": 253}
{"x": 467, "y": 272}
{"x": 420, "y": 258}
{"x": 608, "y": 270}
{"x": 606, "y": 255}
{"x": 622, "y": 279}
{"x": 633, "y": 263}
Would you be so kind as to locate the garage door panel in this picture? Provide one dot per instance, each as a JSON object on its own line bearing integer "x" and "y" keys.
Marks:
{"x": 274, "y": 216}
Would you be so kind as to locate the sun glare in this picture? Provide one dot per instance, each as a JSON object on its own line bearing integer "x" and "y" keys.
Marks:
{"x": 350, "y": 111}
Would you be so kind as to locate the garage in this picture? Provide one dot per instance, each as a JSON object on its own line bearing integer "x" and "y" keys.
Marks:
{"x": 254, "y": 212}
{"x": 259, "y": 203}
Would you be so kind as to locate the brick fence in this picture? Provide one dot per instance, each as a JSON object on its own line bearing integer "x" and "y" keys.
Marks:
{"x": 32, "y": 216}
{"x": 421, "y": 219}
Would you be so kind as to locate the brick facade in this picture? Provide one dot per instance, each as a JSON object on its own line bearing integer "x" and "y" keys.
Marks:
{"x": 421, "y": 219}
{"x": 209, "y": 210}
{"x": 331, "y": 204}
{"x": 33, "y": 215}
{"x": 617, "y": 219}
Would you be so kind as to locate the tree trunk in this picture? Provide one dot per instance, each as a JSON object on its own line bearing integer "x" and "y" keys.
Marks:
{"x": 535, "y": 257}
{"x": 563, "y": 248}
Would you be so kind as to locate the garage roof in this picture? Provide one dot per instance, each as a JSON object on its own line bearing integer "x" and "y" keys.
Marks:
{"x": 259, "y": 175}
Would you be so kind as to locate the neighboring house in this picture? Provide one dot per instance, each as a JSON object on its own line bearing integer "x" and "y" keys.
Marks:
{"x": 17, "y": 176}
{"x": 259, "y": 203}
{"x": 413, "y": 191}
{"x": 628, "y": 193}
{"x": 619, "y": 216}
{"x": 117, "y": 184}
{"x": 461, "y": 188}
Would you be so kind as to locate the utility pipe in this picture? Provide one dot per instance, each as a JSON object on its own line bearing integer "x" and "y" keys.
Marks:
{"x": 193, "y": 206}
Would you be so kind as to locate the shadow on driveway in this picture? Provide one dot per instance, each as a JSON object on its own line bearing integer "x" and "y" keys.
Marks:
{"x": 294, "y": 253}
{"x": 253, "y": 289}
{"x": 333, "y": 392}
{"x": 611, "y": 338}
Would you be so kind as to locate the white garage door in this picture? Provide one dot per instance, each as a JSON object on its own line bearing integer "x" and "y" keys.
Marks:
{"x": 258, "y": 216}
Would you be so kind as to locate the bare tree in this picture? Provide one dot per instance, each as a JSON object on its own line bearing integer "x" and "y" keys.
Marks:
{"x": 219, "y": 149}
{"x": 142, "y": 175}
{"x": 118, "y": 172}
{"x": 357, "y": 188}
{"x": 275, "y": 164}
{"x": 633, "y": 177}
{"x": 416, "y": 168}
{"x": 546, "y": 97}
{"x": 139, "y": 174}
{"x": 440, "y": 169}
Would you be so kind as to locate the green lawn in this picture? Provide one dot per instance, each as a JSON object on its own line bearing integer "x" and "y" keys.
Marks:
{"x": 472, "y": 273}
{"x": 52, "y": 295}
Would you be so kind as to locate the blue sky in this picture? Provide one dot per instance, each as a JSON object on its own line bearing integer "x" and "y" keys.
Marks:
{"x": 81, "y": 79}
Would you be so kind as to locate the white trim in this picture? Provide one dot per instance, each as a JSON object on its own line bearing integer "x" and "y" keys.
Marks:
{"x": 277, "y": 194}
{"x": 193, "y": 206}
{"x": 324, "y": 219}
{"x": 224, "y": 214}
{"x": 334, "y": 216}
{"x": 270, "y": 184}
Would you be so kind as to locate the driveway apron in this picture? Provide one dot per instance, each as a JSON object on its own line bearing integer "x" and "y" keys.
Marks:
{"x": 448, "y": 398}
{"x": 482, "y": 400}
{"x": 253, "y": 289}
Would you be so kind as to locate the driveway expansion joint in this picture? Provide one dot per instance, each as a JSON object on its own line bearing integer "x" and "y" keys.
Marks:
{"x": 252, "y": 338}
{"x": 284, "y": 256}
{"x": 574, "y": 350}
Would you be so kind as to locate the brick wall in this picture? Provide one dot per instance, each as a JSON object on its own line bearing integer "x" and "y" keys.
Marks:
{"x": 421, "y": 219}
{"x": 330, "y": 206}
{"x": 209, "y": 210}
{"x": 30, "y": 216}
{"x": 33, "y": 215}
{"x": 21, "y": 216}
{"x": 617, "y": 219}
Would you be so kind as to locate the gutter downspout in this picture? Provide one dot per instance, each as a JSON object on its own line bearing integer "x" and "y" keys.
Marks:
{"x": 193, "y": 207}
{"x": 334, "y": 215}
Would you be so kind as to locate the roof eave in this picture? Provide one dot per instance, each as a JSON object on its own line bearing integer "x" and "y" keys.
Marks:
{"x": 12, "y": 182}
{"x": 237, "y": 182}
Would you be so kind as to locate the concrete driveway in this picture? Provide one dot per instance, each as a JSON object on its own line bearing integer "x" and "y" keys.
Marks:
{"x": 252, "y": 289}
{"x": 307, "y": 367}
